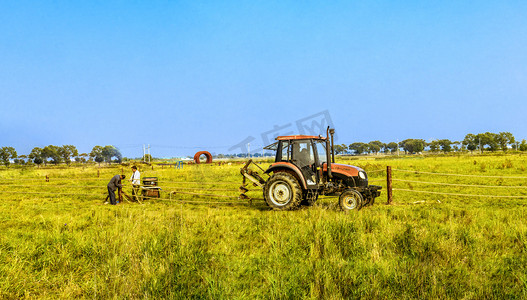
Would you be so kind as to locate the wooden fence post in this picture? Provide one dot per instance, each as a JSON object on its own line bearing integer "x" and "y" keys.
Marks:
{"x": 389, "y": 184}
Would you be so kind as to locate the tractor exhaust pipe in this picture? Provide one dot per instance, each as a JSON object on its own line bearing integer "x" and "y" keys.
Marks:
{"x": 332, "y": 132}
{"x": 329, "y": 151}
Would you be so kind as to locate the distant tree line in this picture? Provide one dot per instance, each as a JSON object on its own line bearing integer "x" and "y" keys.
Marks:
{"x": 60, "y": 154}
{"x": 484, "y": 141}
{"x": 487, "y": 141}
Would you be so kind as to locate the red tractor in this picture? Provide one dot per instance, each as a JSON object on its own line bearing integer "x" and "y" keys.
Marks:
{"x": 305, "y": 168}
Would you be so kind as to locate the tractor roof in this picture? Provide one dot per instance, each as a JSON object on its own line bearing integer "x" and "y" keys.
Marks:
{"x": 299, "y": 137}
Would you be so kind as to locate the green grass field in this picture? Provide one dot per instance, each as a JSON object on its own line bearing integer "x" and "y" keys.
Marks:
{"x": 59, "y": 241}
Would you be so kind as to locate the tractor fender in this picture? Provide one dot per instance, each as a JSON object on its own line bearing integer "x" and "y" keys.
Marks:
{"x": 290, "y": 167}
{"x": 346, "y": 179}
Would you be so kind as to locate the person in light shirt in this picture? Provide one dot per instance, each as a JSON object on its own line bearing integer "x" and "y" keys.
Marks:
{"x": 136, "y": 181}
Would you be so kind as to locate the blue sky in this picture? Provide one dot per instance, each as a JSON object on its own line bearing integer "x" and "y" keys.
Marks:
{"x": 185, "y": 76}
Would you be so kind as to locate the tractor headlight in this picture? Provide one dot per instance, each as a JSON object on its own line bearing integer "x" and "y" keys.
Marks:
{"x": 362, "y": 175}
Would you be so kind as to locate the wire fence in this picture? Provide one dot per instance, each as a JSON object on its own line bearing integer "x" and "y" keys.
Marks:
{"x": 514, "y": 191}
{"x": 460, "y": 175}
{"x": 401, "y": 181}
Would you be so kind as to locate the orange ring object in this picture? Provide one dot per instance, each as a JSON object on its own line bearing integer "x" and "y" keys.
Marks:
{"x": 200, "y": 153}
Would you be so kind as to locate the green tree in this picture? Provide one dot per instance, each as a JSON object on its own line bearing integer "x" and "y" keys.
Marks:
{"x": 359, "y": 147}
{"x": 504, "y": 139}
{"x": 376, "y": 146}
{"x": 413, "y": 145}
{"x": 393, "y": 146}
{"x": 339, "y": 148}
{"x": 488, "y": 139}
{"x": 67, "y": 152}
{"x": 471, "y": 142}
{"x": 110, "y": 151}
{"x": 51, "y": 152}
{"x": 97, "y": 154}
{"x": 344, "y": 148}
{"x": 446, "y": 145}
{"x": 434, "y": 146}
{"x": 6, "y": 154}
{"x": 456, "y": 145}
{"x": 22, "y": 159}
{"x": 82, "y": 157}
{"x": 523, "y": 146}
{"x": 36, "y": 156}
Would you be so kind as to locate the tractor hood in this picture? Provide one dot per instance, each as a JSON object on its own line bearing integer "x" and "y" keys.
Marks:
{"x": 344, "y": 169}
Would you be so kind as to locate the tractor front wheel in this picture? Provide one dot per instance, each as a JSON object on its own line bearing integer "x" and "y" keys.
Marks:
{"x": 350, "y": 200}
{"x": 282, "y": 192}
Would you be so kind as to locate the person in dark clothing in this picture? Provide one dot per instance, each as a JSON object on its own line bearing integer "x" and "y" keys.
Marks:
{"x": 115, "y": 183}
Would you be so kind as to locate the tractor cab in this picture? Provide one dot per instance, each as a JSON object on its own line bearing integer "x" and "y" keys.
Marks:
{"x": 302, "y": 154}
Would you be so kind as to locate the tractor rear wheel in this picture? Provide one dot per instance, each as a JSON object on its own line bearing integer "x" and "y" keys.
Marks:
{"x": 282, "y": 192}
{"x": 350, "y": 200}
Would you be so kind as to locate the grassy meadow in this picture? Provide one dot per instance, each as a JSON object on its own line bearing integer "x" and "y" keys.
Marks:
{"x": 58, "y": 239}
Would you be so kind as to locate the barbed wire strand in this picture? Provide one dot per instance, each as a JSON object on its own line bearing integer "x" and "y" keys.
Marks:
{"x": 54, "y": 186}
{"x": 50, "y": 179}
{"x": 178, "y": 190}
{"x": 144, "y": 197}
{"x": 460, "y": 175}
{"x": 54, "y": 193}
{"x": 456, "y": 194}
{"x": 375, "y": 171}
{"x": 103, "y": 187}
{"x": 462, "y": 185}
{"x": 377, "y": 180}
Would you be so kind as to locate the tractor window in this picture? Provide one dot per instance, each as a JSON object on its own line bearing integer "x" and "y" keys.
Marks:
{"x": 321, "y": 149}
{"x": 285, "y": 151}
{"x": 303, "y": 153}
{"x": 272, "y": 147}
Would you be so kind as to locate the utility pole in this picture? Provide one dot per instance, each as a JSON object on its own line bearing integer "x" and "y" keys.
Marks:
{"x": 145, "y": 153}
{"x": 149, "y": 155}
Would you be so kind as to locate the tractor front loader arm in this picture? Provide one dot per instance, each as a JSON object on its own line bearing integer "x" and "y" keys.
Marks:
{"x": 253, "y": 176}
